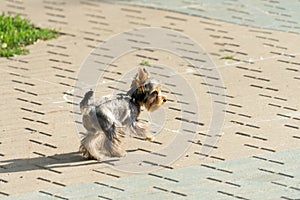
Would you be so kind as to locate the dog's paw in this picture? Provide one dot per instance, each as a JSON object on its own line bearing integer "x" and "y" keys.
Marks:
{"x": 122, "y": 153}
{"x": 119, "y": 153}
{"x": 150, "y": 138}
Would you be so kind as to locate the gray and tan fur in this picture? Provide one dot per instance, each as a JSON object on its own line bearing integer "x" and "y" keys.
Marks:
{"x": 108, "y": 119}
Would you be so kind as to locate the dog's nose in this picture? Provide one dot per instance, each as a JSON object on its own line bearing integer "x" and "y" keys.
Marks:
{"x": 165, "y": 100}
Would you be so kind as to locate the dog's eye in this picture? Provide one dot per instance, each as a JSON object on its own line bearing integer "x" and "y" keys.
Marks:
{"x": 154, "y": 93}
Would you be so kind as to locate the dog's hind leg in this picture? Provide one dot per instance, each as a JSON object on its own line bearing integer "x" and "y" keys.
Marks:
{"x": 89, "y": 146}
{"x": 111, "y": 142}
{"x": 112, "y": 133}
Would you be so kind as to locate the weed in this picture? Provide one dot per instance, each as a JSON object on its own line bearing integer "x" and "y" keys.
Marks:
{"x": 228, "y": 57}
{"x": 16, "y": 33}
{"x": 144, "y": 63}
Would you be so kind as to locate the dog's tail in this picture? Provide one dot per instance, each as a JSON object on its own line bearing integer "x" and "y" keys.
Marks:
{"x": 85, "y": 101}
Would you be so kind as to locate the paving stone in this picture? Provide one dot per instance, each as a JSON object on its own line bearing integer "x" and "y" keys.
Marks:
{"x": 245, "y": 78}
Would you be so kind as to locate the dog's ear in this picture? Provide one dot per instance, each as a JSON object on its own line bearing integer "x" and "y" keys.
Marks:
{"x": 140, "y": 77}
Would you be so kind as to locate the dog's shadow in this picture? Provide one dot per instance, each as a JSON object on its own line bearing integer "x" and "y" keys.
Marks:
{"x": 72, "y": 159}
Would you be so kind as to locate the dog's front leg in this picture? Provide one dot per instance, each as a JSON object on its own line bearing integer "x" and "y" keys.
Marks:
{"x": 141, "y": 129}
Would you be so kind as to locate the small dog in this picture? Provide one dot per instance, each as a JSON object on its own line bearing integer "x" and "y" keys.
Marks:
{"x": 107, "y": 119}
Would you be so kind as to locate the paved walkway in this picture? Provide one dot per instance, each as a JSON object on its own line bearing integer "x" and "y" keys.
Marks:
{"x": 233, "y": 103}
{"x": 274, "y": 15}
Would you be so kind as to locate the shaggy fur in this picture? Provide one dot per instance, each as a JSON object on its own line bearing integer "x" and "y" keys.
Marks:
{"x": 108, "y": 119}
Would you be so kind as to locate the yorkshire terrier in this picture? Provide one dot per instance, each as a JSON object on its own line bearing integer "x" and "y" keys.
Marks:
{"x": 109, "y": 118}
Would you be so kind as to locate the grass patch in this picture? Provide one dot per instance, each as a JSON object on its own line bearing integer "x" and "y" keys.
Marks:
{"x": 228, "y": 57}
{"x": 16, "y": 33}
{"x": 145, "y": 63}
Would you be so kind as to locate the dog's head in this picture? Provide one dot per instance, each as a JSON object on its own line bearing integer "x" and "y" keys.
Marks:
{"x": 147, "y": 91}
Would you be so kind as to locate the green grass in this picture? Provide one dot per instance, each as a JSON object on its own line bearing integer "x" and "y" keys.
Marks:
{"x": 228, "y": 57}
{"x": 16, "y": 33}
{"x": 145, "y": 63}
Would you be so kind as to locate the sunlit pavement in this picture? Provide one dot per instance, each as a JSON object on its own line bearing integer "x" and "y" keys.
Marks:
{"x": 231, "y": 75}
